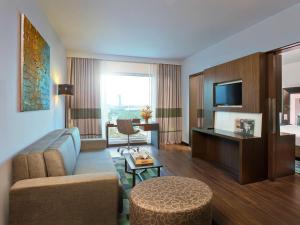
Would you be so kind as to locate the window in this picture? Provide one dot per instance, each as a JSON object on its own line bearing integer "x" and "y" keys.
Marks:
{"x": 126, "y": 88}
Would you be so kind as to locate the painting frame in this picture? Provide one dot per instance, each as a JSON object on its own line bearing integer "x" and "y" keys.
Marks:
{"x": 245, "y": 127}
{"x": 35, "y": 77}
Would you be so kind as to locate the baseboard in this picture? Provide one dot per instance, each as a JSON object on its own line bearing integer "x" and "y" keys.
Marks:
{"x": 184, "y": 143}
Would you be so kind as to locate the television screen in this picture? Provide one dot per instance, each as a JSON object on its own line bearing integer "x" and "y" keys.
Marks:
{"x": 228, "y": 94}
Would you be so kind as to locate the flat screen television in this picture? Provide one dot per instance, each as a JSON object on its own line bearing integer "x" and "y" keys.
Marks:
{"x": 228, "y": 94}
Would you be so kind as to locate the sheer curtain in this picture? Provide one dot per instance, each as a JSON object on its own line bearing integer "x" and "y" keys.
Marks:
{"x": 84, "y": 110}
{"x": 169, "y": 107}
{"x": 153, "y": 73}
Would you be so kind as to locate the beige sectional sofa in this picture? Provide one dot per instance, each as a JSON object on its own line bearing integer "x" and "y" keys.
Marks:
{"x": 58, "y": 182}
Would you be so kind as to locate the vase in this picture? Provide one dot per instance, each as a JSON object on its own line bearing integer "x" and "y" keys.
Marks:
{"x": 146, "y": 120}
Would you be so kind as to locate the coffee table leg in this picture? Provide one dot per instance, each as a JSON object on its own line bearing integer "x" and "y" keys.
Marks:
{"x": 125, "y": 166}
{"x": 158, "y": 171}
{"x": 133, "y": 178}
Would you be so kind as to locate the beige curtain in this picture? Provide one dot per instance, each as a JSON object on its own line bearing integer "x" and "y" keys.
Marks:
{"x": 200, "y": 100}
{"x": 169, "y": 109}
{"x": 84, "y": 109}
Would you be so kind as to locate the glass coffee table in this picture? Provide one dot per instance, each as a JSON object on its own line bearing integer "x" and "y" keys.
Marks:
{"x": 138, "y": 170}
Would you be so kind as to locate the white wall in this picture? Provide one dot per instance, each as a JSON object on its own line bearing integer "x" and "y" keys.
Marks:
{"x": 124, "y": 67}
{"x": 19, "y": 129}
{"x": 226, "y": 121}
{"x": 80, "y": 54}
{"x": 291, "y": 75}
{"x": 276, "y": 31}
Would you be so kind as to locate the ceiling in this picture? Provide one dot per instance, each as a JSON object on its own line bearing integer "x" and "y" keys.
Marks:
{"x": 169, "y": 29}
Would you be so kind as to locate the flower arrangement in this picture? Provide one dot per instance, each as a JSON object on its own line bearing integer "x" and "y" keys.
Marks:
{"x": 146, "y": 113}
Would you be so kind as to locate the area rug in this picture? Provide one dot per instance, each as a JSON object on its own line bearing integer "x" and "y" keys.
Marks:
{"x": 126, "y": 180}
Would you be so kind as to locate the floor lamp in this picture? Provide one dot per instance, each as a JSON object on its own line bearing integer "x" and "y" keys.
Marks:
{"x": 66, "y": 90}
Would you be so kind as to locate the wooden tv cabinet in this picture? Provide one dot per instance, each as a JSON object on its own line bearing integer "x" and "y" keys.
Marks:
{"x": 245, "y": 158}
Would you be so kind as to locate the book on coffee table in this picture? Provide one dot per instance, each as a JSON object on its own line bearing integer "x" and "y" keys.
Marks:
{"x": 141, "y": 158}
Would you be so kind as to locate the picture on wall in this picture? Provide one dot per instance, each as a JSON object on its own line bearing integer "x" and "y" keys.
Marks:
{"x": 245, "y": 127}
{"x": 35, "y": 69}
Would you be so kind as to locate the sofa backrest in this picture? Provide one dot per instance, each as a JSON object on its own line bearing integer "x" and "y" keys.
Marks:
{"x": 60, "y": 157}
{"x": 55, "y": 154}
{"x": 74, "y": 132}
{"x": 29, "y": 163}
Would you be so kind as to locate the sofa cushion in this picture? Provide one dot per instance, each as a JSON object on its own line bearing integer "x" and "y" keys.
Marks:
{"x": 61, "y": 157}
{"x": 94, "y": 162}
{"x": 30, "y": 163}
{"x": 74, "y": 132}
{"x": 20, "y": 168}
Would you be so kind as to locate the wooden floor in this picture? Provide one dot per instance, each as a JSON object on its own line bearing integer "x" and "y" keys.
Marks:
{"x": 265, "y": 203}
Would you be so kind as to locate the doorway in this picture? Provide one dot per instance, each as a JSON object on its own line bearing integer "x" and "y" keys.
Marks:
{"x": 282, "y": 111}
{"x": 290, "y": 116}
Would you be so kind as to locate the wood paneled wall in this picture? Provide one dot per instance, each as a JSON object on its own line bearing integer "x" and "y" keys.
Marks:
{"x": 251, "y": 70}
{"x": 285, "y": 107}
{"x": 193, "y": 109}
{"x": 261, "y": 76}
{"x": 284, "y": 156}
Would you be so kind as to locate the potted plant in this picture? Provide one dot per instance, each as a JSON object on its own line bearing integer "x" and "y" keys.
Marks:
{"x": 146, "y": 113}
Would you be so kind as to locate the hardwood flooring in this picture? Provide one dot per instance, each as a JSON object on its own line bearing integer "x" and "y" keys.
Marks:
{"x": 262, "y": 203}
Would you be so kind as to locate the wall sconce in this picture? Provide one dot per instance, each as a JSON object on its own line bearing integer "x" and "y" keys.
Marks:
{"x": 65, "y": 89}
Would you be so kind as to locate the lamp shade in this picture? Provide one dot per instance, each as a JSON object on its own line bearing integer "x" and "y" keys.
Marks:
{"x": 65, "y": 89}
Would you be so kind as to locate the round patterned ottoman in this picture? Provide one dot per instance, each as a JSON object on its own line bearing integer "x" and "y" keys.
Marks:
{"x": 171, "y": 201}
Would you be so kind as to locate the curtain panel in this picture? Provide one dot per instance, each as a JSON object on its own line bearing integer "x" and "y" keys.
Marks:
{"x": 169, "y": 106}
{"x": 200, "y": 100}
{"x": 84, "y": 108}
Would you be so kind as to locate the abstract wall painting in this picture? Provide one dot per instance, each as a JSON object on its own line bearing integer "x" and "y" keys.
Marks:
{"x": 35, "y": 69}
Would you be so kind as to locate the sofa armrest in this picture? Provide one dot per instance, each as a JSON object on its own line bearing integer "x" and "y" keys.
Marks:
{"x": 93, "y": 144}
{"x": 68, "y": 200}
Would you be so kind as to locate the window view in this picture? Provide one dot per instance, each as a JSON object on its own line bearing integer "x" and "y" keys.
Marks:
{"x": 124, "y": 94}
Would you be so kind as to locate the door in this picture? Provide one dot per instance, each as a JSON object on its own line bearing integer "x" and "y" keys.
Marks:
{"x": 274, "y": 94}
{"x": 195, "y": 102}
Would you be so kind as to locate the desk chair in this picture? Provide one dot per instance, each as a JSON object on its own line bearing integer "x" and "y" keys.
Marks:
{"x": 136, "y": 120}
{"x": 126, "y": 127}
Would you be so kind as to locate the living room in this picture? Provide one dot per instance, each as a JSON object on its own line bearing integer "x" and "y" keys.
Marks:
{"x": 169, "y": 68}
